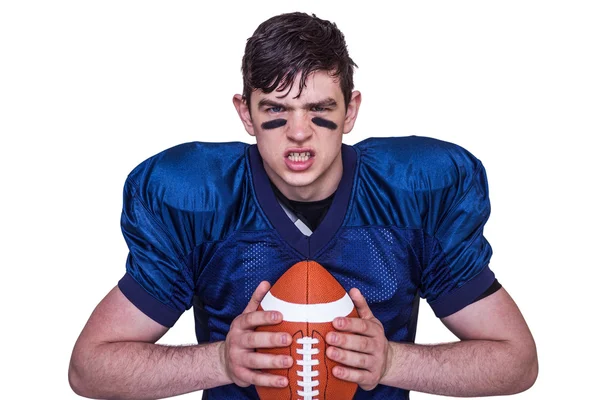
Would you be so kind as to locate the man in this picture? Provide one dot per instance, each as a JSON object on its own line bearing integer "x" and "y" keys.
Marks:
{"x": 211, "y": 225}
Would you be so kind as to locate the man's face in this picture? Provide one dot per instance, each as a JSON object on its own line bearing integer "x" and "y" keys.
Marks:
{"x": 300, "y": 139}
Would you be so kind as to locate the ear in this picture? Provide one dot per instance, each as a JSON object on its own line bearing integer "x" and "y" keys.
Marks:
{"x": 243, "y": 111}
{"x": 352, "y": 111}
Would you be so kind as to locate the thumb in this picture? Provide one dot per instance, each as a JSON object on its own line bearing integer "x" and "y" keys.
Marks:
{"x": 261, "y": 290}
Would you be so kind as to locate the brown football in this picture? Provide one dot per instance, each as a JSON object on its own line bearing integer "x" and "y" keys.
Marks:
{"x": 309, "y": 298}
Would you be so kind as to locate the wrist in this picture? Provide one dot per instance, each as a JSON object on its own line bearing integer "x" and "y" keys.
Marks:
{"x": 222, "y": 364}
{"x": 393, "y": 355}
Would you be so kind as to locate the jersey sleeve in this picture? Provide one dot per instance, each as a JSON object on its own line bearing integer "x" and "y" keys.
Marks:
{"x": 158, "y": 281}
{"x": 457, "y": 271}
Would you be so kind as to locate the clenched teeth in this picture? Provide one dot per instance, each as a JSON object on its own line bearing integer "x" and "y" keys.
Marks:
{"x": 296, "y": 157}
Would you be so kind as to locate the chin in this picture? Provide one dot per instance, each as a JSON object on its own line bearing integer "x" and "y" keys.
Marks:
{"x": 298, "y": 183}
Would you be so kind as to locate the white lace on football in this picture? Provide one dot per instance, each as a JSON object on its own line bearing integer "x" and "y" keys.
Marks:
{"x": 307, "y": 373}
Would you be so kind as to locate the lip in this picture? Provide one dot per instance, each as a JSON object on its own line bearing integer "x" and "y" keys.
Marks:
{"x": 299, "y": 166}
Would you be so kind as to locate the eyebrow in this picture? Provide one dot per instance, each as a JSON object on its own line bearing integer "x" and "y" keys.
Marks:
{"x": 269, "y": 103}
{"x": 325, "y": 103}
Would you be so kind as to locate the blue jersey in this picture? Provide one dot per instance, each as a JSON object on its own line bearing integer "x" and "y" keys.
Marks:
{"x": 204, "y": 228}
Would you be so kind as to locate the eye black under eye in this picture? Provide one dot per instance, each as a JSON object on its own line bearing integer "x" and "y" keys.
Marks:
{"x": 324, "y": 123}
{"x": 274, "y": 124}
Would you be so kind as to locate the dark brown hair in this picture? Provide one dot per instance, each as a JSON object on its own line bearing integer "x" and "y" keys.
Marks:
{"x": 287, "y": 44}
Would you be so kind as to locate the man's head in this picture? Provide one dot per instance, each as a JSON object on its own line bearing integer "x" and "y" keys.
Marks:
{"x": 298, "y": 102}
{"x": 290, "y": 44}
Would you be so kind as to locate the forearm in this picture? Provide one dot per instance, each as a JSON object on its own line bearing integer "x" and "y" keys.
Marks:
{"x": 137, "y": 370}
{"x": 467, "y": 369}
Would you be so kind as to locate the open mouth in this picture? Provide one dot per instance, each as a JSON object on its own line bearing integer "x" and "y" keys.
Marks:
{"x": 299, "y": 156}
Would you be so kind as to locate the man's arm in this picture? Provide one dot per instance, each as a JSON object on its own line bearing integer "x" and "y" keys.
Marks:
{"x": 496, "y": 354}
{"x": 115, "y": 357}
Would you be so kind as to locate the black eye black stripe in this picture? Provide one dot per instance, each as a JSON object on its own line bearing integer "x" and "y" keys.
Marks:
{"x": 276, "y": 123}
{"x": 325, "y": 123}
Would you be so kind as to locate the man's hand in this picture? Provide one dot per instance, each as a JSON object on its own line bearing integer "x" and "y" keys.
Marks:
{"x": 360, "y": 345}
{"x": 242, "y": 363}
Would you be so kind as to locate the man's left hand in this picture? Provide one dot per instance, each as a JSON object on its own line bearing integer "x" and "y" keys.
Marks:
{"x": 360, "y": 345}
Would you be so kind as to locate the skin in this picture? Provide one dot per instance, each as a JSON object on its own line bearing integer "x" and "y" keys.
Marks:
{"x": 116, "y": 355}
{"x": 496, "y": 354}
{"x": 322, "y": 98}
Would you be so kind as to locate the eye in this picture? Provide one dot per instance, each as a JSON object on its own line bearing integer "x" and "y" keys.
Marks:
{"x": 275, "y": 109}
{"x": 319, "y": 109}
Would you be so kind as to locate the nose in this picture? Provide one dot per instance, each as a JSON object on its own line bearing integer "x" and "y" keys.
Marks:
{"x": 299, "y": 128}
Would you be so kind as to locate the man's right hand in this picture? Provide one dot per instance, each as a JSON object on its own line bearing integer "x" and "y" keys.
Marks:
{"x": 242, "y": 363}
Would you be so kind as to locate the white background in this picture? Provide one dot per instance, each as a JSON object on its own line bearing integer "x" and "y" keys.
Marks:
{"x": 90, "y": 89}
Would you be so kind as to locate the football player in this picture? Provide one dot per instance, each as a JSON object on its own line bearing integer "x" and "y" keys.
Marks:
{"x": 211, "y": 225}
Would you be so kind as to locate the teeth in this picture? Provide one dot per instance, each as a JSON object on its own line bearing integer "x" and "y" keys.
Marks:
{"x": 296, "y": 157}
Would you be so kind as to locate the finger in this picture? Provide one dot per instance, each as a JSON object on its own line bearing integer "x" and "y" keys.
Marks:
{"x": 259, "y": 378}
{"x": 363, "y": 378}
{"x": 350, "y": 358}
{"x": 262, "y": 340}
{"x": 357, "y": 325}
{"x": 245, "y": 377}
{"x": 260, "y": 292}
{"x": 266, "y": 361}
{"x": 254, "y": 319}
{"x": 364, "y": 311}
{"x": 358, "y": 343}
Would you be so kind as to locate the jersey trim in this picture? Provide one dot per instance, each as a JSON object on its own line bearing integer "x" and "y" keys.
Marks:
{"x": 159, "y": 312}
{"x": 307, "y": 246}
{"x": 302, "y": 227}
{"x": 463, "y": 296}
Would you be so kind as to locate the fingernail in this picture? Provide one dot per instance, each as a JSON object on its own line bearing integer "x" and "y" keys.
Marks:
{"x": 334, "y": 353}
{"x": 334, "y": 338}
{"x": 284, "y": 339}
{"x": 282, "y": 382}
{"x": 274, "y": 316}
{"x": 339, "y": 322}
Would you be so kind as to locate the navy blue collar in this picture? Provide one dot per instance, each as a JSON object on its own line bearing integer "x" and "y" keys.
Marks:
{"x": 307, "y": 246}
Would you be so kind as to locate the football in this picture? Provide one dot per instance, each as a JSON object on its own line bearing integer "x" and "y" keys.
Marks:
{"x": 309, "y": 298}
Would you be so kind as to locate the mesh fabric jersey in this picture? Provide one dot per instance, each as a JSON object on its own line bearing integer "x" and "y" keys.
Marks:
{"x": 204, "y": 228}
